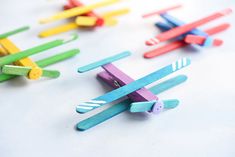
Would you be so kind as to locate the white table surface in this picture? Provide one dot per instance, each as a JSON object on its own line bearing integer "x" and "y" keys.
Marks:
{"x": 38, "y": 118}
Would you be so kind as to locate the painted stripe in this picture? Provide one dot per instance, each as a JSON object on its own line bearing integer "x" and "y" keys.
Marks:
{"x": 96, "y": 101}
{"x": 84, "y": 107}
{"x": 184, "y": 61}
{"x": 174, "y": 66}
{"x": 88, "y": 104}
{"x": 179, "y": 63}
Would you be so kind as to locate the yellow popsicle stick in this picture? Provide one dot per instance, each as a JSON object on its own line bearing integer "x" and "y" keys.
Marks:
{"x": 3, "y": 52}
{"x": 58, "y": 30}
{"x": 12, "y": 49}
{"x": 110, "y": 22}
{"x": 113, "y": 13}
{"x": 77, "y": 11}
{"x": 86, "y": 21}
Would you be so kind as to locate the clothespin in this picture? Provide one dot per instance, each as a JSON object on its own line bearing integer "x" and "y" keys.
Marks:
{"x": 84, "y": 17}
{"x": 23, "y": 65}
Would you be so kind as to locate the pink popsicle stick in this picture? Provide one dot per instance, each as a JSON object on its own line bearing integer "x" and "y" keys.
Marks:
{"x": 162, "y": 11}
{"x": 185, "y": 28}
{"x": 178, "y": 44}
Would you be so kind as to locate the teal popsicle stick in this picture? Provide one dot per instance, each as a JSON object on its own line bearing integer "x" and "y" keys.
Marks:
{"x": 125, "y": 105}
{"x": 46, "y": 62}
{"x": 18, "y": 30}
{"x": 103, "y": 62}
{"x": 147, "y": 106}
{"x": 24, "y": 71}
{"x": 23, "y": 54}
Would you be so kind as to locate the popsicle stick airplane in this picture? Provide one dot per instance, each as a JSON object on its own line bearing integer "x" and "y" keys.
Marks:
{"x": 184, "y": 33}
{"x": 84, "y": 17}
{"x": 138, "y": 98}
{"x": 24, "y": 66}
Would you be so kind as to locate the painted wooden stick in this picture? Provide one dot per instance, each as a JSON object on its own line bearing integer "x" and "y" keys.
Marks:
{"x": 178, "y": 44}
{"x": 14, "y": 57}
{"x": 77, "y": 11}
{"x": 103, "y": 62}
{"x": 124, "y": 105}
{"x": 18, "y": 30}
{"x": 162, "y": 11}
{"x": 58, "y": 29}
{"x": 185, "y": 28}
{"x": 131, "y": 87}
{"x": 25, "y": 71}
{"x": 148, "y": 105}
{"x": 46, "y": 62}
{"x": 99, "y": 20}
{"x": 195, "y": 39}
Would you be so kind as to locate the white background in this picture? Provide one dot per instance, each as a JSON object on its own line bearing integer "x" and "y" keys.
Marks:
{"x": 38, "y": 118}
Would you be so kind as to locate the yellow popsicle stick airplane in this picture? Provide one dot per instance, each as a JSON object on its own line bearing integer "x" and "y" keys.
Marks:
{"x": 84, "y": 17}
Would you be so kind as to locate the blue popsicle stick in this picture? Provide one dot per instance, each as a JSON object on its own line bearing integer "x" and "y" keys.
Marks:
{"x": 148, "y": 105}
{"x": 125, "y": 105}
{"x": 163, "y": 26}
{"x": 131, "y": 87}
{"x": 103, "y": 62}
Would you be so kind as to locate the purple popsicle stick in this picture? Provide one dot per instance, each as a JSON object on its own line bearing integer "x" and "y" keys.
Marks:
{"x": 115, "y": 77}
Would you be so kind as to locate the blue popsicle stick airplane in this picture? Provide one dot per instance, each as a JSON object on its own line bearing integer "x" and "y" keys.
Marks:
{"x": 140, "y": 98}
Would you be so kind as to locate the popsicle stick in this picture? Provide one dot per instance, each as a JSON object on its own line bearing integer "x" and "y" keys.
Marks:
{"x": 11, "y": 48}
{"x": 115, "y": 13}
{"x": 3, "y": 52}
{"x": 163, "y": 26}
{"x": 124, "y": 105}
{"x": 131, "y": 87}
{"x": 58, "y": 29}
{"x": 17, "y": 56}
{"x": 18, "y": 30}
{"x": 46, "y": 62}
{"x": 147, "y": 106}
{"x": 103, "y": 62}
{"x": 162, "y": 11}
{"x": 110, "y": 22}
{"x": 178, "y": 44}
{"x": 185, "y": 28}
{"x": 99, "y": 21}
{"x": 85, "y": 21}
{"x": 194, "y": 39}
{"x": 25, "y": 71}
{"x": 77, "y": 11}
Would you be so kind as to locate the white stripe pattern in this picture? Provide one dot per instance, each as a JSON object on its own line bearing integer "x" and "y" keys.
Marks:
{"x": 179, "y": 64}
{"x": 153, "y": 41}
{"x": 84, "y": 107}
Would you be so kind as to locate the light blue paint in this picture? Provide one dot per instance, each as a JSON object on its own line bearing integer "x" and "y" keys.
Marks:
{"x": 133, "y": 86}
{"x": 103, "y": 62}
{"x": 147, "y": 106}
{"x": 125, "y": 105}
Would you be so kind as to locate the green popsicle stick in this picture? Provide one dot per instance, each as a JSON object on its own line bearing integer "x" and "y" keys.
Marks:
{"x": 23, "y": 54}
{"x": 18, "y": 30}
{"x": 24, "y": 71}
{"x": 46, "y": 62}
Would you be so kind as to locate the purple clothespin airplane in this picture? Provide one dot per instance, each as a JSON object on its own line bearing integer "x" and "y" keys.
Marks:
{"x": 139, "y": 98}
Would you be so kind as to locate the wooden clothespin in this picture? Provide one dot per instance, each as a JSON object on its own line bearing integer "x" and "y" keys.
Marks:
{"x": 126, "y": 86}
